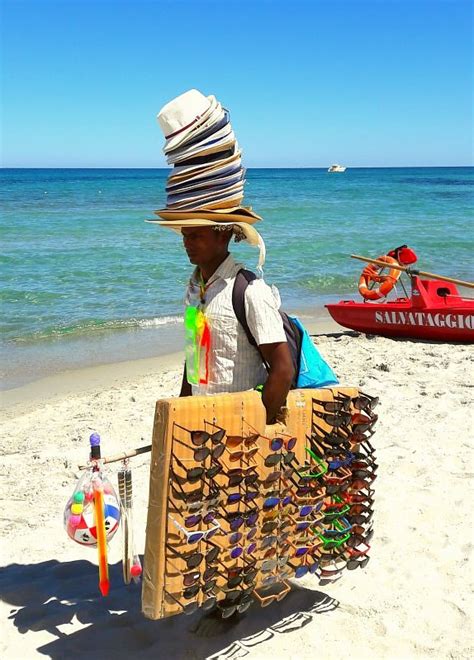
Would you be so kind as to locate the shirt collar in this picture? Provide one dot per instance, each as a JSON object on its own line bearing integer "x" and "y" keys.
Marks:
{"x": 228, "y": 269}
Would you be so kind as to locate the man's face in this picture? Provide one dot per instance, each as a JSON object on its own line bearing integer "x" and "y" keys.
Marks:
{"x": 203, "y": 245}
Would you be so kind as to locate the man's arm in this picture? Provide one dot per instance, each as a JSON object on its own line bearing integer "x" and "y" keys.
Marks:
{"x": 185, "y": 386}
{"x": 280, "y": 376}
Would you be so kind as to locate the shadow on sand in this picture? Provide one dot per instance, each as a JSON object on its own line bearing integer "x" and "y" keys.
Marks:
{"x": 49, "y": 596}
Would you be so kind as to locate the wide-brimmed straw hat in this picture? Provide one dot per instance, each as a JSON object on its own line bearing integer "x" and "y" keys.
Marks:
{"x": 250, "y": 234}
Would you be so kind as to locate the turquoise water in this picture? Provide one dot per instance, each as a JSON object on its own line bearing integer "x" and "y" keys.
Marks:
{"x": 78, "y": 261}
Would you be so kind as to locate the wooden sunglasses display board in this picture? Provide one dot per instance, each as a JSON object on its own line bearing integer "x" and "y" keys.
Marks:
{"x": 227, "y": 507}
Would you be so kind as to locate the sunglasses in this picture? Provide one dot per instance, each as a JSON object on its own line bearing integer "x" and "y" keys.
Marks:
{"x": 330, "y": 515}
{"x": 356, "y": 538}
{"x": 268, "y": 600}
{"x": 339, "y": 403}
{"x": 245, "y": 454}
{"x": 357, "y": 509}
{"x": 364, "y": 401}
{"x": 340, "y": 527}
{"x": 229, "y": 607}
{"x": 273, "y": 550}
{"x": 335, "y": 565}
{"x": 370, "y": 471}
{"x": 237, "y": 551}
{"x": 238, "y": 518}
{"x": 322, "y": 437}
{"x": 236, "y": 440}
{"x": 191, "y": 579}
{"x": 273, "y": 539}
{"x": 364, "y": 533}
{"x": 333, "y": 555}
{"x": 196, "y": 473}
{"x": 273, "y": 459}
{"x": 288, "y": 443}
{"x": 323, "y": 468}
{"x": 334, "y": 419}
{"x": 190, "y": 608}
{"x": 360, "y": 519}
{"x": 271, "y": 478}
{"x": 201, "y": 453}
{"x": 236, "y": 537}
{"x": 197, "y": 518}
{"x": 338, "y": 463}
{"x": 237, "y": 475}
{"x": 272, "y": 502}
{"x": 271, "y": 525}
{"x": 196, "y": 536}
{"x": 333, "y": 543}
{"x": 248, "y": 496}
{"x": 359, "y": 484}
{"x": 245, "y": 574}
{"x": 203, "y": 506}
{"x": 358, "y": 429}
{"x": 199, "y": 438}
{"x": 193, "y": 560}
{"x": 283, "y": 574}
{"x": 276, "y": 513}
{"x": 343, "y": 476}
{"x": 304, "y": 569}
{"x": 360, "y": 550}
{"x": 307, "y": 509}
{"x": 269, "y": 565}
{"x": 333, "y": 489}
{"x": 194, "y": 497}
{"x": 303, "y": 525}
{"x": 354, "y": 563}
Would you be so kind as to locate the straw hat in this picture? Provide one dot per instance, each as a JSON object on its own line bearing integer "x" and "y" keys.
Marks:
{"x": 206, "y": 186}
{"x": 181, "y": 116}
{"x": 252, "y": 237}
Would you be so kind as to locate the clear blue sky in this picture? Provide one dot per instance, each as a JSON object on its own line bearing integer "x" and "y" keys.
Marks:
{"x": 308, "y": 83}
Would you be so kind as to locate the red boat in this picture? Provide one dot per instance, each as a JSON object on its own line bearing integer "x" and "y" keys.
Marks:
{"x": 435, "y": 310}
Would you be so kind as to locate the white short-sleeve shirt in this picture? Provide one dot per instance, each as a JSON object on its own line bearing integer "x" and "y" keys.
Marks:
{"x": 234, "y": 364}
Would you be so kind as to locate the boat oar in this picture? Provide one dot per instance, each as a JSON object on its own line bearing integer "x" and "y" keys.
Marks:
{"x": 413, "y": 271}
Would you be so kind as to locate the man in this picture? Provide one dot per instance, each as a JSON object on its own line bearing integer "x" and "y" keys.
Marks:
{"x": 235, "y": 364}
{"x": 204, "y": 194}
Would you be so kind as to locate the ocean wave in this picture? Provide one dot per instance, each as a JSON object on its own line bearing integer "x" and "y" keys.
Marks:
{"x": 91, "y": 326}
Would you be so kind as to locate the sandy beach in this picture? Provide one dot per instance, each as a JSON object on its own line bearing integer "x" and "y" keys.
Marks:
{"x": 414, "y": 599}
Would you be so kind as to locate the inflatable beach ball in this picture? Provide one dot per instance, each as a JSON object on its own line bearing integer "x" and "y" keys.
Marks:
{"x": 81, "y": 526}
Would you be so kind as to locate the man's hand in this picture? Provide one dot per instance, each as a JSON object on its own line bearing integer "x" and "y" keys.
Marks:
{"x": 280, "y": 376}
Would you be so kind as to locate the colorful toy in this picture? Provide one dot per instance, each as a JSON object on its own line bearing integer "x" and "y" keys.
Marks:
{"x": 197, "y": 345}
{"x": 92, "y": 514}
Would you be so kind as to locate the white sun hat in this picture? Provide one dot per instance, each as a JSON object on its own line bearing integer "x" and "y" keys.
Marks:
{"x": 183, "y": 114}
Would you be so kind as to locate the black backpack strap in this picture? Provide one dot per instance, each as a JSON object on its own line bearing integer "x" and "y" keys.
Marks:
{"x": 242, "y": 280}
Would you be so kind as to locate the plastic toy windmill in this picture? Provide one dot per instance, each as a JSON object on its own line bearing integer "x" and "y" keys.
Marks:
{"x": 92, "y": 514}
{"x": 198, "y": 345}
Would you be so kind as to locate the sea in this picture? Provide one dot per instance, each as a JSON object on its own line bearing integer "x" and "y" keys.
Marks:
{"x": 85, "y": 280}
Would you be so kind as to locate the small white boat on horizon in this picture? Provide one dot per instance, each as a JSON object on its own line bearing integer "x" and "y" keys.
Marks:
{"x": 337, "y": 168}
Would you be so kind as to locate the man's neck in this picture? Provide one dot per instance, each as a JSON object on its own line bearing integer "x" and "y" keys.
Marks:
{"x": 207, "y": 270}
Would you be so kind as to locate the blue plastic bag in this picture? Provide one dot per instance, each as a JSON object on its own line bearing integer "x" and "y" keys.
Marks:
{"x": 314, "y": 370}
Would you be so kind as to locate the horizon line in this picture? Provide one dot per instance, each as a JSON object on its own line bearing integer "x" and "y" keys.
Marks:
{"x": 268, "y": 167}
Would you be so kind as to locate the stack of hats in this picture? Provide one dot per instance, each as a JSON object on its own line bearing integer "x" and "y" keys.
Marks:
{"x": 201, "y": 145}
{"x": 206, "y": 184}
